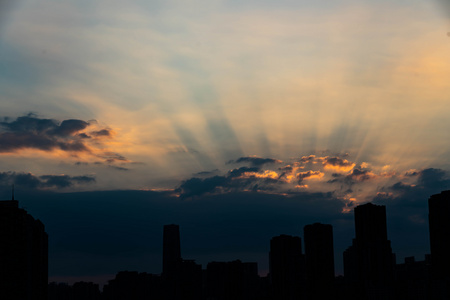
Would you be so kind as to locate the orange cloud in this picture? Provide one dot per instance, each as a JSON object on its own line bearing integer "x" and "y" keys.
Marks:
{"x": 337, "y": 164}
{"x": 266, "y": 174}
{"x": 309, "y": 175}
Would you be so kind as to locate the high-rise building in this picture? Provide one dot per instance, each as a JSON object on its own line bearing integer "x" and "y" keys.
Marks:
{"x": 287, "y": 267}
{"x": 370, "y": 261}
{"x": 181, "y": 279}
{"x": 23, "y": 254}
{"x": 439, "y": 225}
{"x": 319, "y": 259}
{"x": 171, "y": 249}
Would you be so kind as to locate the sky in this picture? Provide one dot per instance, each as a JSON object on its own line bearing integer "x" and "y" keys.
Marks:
{"x": 238, "y": 120}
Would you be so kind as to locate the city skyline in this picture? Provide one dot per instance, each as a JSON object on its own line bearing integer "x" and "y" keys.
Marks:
{"x": 196, "y": 240}
{"x": 370, "y": 267}
{"x": 247, "y": 119}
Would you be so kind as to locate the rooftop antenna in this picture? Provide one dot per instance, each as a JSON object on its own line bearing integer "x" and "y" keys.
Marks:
{"x": 12, "y": 192}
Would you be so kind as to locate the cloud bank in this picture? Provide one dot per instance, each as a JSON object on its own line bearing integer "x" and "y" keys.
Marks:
{"x": 30, "y": 181}
{"x": 76, "y": 138}
{"x": 346, "y": 180}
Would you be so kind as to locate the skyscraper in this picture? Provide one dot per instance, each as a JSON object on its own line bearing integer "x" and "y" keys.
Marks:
{"x": 171, "y": 249}
{"x": 439, "y": 221}
{"x": 287, "y": 267}
{"x": 370, "y": 260}
{"x": 319, "y": 259}
{"x": 23, "y": 254}
{"x": 181, "y": 279}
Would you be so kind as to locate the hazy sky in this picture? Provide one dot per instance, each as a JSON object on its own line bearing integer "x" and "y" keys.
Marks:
{"x": 279, "y": 105}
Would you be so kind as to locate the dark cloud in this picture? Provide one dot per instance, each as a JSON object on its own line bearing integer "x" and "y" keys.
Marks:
{"x": 198, "y": 186}
{"x": 241, "y": 179}
{"x": 32, "y": 132}
{"x": 70, "y": 127}
{"x": 429, "y": 181}
{"x": 103, "y": 132}
{"x": 433, "y": 179}
{"x": 44, "y": 134}
{"x": 412, "y": 173}
{"x": 242, "y": 170}
{"x": 400, "y": 186}
{"x": 30, "y": 181}
{"x": 255, "y": 161}
{"x": 62, "y": 181}
{"x": 359, "y": 175}
{"x": 25, "y": 180}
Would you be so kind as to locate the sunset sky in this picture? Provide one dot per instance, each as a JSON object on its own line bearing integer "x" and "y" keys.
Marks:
{"x": 238, "y": 120}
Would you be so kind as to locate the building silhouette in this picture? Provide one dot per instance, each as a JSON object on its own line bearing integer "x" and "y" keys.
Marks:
{"x": 287, "y": 267}
{"x": 86, "y": 291}
{"x": 60, "y": 291}
{"x": 369, "y": 265}
{"x": 439, "y": 226}
{"x": 319, "y": 260}
{"x": 133, "y": 286}
{"x": 233, "y": 280}
{"x": 181, "y": 279}
{"x": 369, "y": 262}
{"x": 171, "y": 249}
{"x": 23, "y": 254}
{"x": 412, "y": 279}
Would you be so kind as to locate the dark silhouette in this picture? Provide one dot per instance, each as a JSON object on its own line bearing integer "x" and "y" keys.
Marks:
{"x": 287, "y": 267}
{"x": 233, "y": 280}
{"x": 133, "y": 286}
{"x": 439, "y": 225}
{"x": 412, "y": 279}
{"x": 319, "y": 258}
{"x": 181, "y": 279}
{"x": 369, "y": 265}
{"x": 86, "y": 291}
{"x": 171, "y": 250}
{"x": 369, "y": 262}
{"x": 23, "y": 254}
{"x": 60, "y": 291}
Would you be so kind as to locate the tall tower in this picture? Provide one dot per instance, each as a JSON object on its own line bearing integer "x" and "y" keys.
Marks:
{"x": 171, "y": 249}
{"x": 23, "y": 254}
{"x": 319, "y": 258}
{"x": 439, "y": 225}
{"x": 287, "y": 267}
{"x": 370, "y": 260}
{"x": 375, "y": 257}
